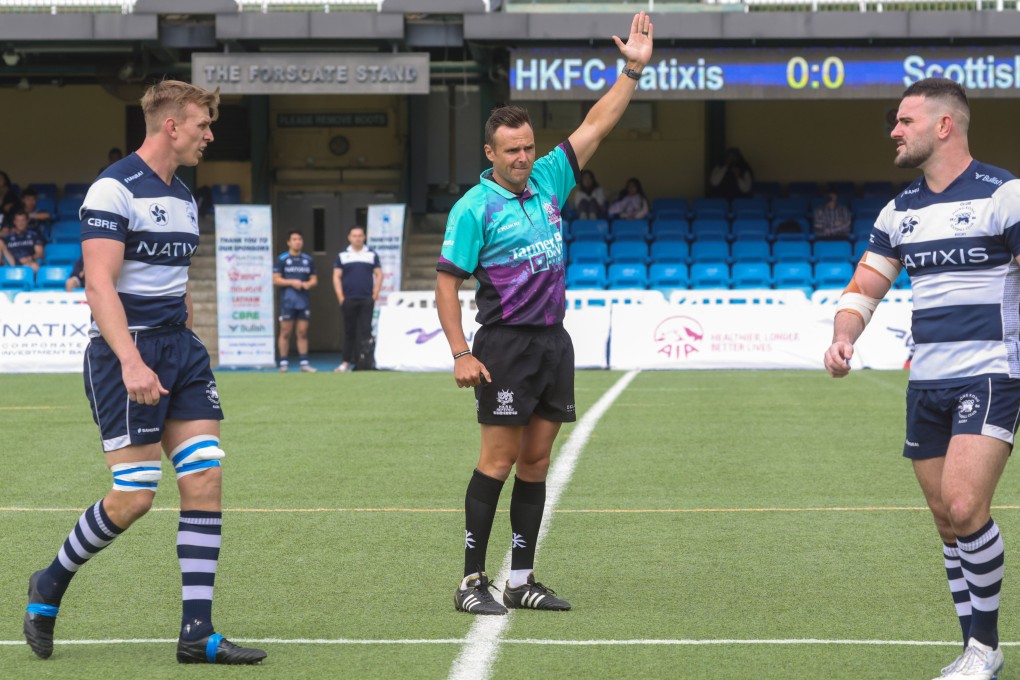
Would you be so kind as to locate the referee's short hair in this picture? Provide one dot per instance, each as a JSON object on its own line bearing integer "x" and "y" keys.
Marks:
{"x": 511, "y": 116}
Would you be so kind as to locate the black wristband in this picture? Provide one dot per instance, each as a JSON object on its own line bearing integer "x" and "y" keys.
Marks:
{"x": 631, "y": 73}
{"x": 458, "y": 355}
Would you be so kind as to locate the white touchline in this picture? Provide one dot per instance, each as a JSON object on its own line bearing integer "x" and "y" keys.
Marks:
{"x": 482, "y": 642}
{"x": 525, "y": 641}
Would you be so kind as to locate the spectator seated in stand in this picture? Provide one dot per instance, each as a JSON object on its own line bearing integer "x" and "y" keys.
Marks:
{"x": 77, "y": 278}
{"x": 832, "y": 219}
{"x": 38, "y": 218}
{"x": 588, "y": 200}
{"x": 632, "y": 204}
{"x": 25, "y": 246}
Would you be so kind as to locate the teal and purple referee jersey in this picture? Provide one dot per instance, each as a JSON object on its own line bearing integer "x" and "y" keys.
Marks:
{"x": 513, "y": 245}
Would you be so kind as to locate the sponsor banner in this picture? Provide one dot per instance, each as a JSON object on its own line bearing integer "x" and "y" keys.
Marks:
{"x": 679, "y": 337}
{"x": 411, "y": 339}
{"x": 385, "y": 235}
{"x": 43, "y": 338}
{"x": 312, "y": 73}
{"x": 887, "y": 341}
{"x": 244, "y": 285}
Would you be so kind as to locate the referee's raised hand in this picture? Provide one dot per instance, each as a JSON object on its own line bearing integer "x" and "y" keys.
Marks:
{"x": 639, "y": 44}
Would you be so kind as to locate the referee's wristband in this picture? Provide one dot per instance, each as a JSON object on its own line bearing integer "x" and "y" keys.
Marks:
{"x": 631, "y": 73}
{"x": 458, "y": 355}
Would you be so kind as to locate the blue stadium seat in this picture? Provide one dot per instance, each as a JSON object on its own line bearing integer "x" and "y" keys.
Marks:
{"x": 861, "y": 228}
{"x": 878, "y": 189}
{"x": 833, "y": 274}
{"x": 45, "y": 190}
{"x": 226, "y": 194}
{"x": 859, "y": 249}
{"x": 751, "y": 228}
{"x": 766, "y": 190}
{"x": 751, "y": 275}
{"x": 16, "y": 278}
{"x": 789, "y": 207}
{"x": 750, "y": 207}
{"x": 710, "y": 251}
{"x": 628, "y": 276}
{"x": 868, "y": 206}
{"x": 76, "y": 190}
{"x": 832, "y": 251}
{"x": 710, "y": 275}
{"x": 802, "y": 190}
{"x": 46, "y": 204}
{"x": 664, "y": 229}
{"x": 673, "y": 252}
{"x": 792, "y": 251}
{"x": 589, "y": 230}
{"x": 845, "y": 189}
{"x": 793, "y": 275}
{"x": 751, "y": 251}
{"x": 669, "y": 214}
{"x": 588, "y": 252}
{"x": 664, "y": 275}
{"x": 52, "y": 276}
{"x": 903, "y": 280}
{"x": 710, "y": 228}
{"x": 790, "y": 229}
{"x": 710, "y": 207}
{"x": 633, "y": 252}
{"x": 65, "y": 231}
{"x": 67, "y": 208}
{"x": 63, "y": 253}
{"x": 629, "y": 230}
{"x": 565, "y": 228}
{"x": 674, "y": 205}
{"x": 586, "y": 276}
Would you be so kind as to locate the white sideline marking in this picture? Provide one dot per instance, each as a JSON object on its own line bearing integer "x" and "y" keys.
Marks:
{"x": 482, "y": 642}
{"x": 527, "y": 641}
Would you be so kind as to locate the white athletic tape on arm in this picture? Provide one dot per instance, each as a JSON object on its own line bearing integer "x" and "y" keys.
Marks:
{"x": 856, "y": 302}
{"x": 136, "y": 476}
{"x": 196, "y": 454}
{"x": 882, "y": 265}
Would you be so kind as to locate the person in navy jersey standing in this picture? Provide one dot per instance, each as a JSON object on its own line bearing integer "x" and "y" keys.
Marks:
{"x": 147, "y": 375}
{"x": 294, "y": 272}
{"x": 357, "y": 278}
{"x": 956, "y": 230}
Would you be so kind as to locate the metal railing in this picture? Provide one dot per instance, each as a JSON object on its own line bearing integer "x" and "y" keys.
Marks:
{"x": 266, "y": 6}
{"x": 62, "y": 6}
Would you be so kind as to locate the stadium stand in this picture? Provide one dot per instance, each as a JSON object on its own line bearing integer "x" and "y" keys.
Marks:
{"x": 751, "y": 251}
{"x": 832, "y": 251}
{"x": 14, "y": 279}
{"x": 710, "y": 275}
{"x": 793, "y": 275}
{"x": 588, "y": 252}
{"x": 627, "y": 275}
{"x": 750, "y": 207}
{"x": 629, "y": 230}
{"x": 751, "y": 228}
{"x": 226, "y": 194}
{"x": 833, "y": 274}
{"x": 52, "y": 276}
{"x": 670, "y": 229}
{"x": 710, "y": 251}
{"x": 751, "y": 275}
{"x": 63, "y": 253}
{"x": 589, "y": 230}
{"x": 791, "y": 251}
{"x": 667, "y": 276}
{"x": 630, "y": 252}
{"x": 703, "y": 208}
{"x": 710, "y": 228}
{"x": 667, "y": 251}
{"x": 585, "y": 275}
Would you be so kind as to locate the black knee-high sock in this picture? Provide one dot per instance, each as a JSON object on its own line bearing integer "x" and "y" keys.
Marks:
{"x": 479, "y": 511}
{"x": 526, "y": 507}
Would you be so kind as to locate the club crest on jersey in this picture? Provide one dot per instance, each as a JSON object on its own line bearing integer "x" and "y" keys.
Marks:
{"x": 540, "y": 262}
{"x": 961, "y": 219}
{"x": 506, "y": 404}
{"x": 213, "y": 394}
{"x": 908, "y": 223}
{"x": 191, "y": 216}
{"x": 969, "y": 405}
{"x": 158, "y": 214}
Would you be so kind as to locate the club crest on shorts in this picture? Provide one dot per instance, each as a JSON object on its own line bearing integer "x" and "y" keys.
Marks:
{"x": 969, "y": 405}
{"x": 506, "y": 403}
{"x": 213, "y": 394}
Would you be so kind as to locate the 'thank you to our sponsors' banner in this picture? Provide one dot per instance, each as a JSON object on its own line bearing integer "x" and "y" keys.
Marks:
{"x": 244, "y": 285}
{"x": 385, "y": 235}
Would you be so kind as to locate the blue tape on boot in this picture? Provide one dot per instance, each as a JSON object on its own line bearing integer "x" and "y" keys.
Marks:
{"x": 212, "y": 646}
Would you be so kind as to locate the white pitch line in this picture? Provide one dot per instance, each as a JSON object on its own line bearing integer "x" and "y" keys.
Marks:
{"x": 526, "y": 641}
{"x": 482, "y": 642}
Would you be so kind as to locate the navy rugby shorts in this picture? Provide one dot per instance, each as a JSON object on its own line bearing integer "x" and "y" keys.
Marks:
{"x": 990, "y": 405}
{"x": 180, "y": 360}
{"x": 532, "y": 371}
{"x": 290, "y": 313}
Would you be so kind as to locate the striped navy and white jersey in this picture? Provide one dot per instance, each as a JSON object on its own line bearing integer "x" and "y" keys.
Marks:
{"x": 158, "y": 225}
{"x": 959, "y": 248}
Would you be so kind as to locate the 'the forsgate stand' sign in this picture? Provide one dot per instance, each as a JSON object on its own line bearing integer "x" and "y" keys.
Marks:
{"x": 312, "y": 73}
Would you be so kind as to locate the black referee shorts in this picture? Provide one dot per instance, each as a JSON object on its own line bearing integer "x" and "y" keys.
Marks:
{"x": 532, "y": 371}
